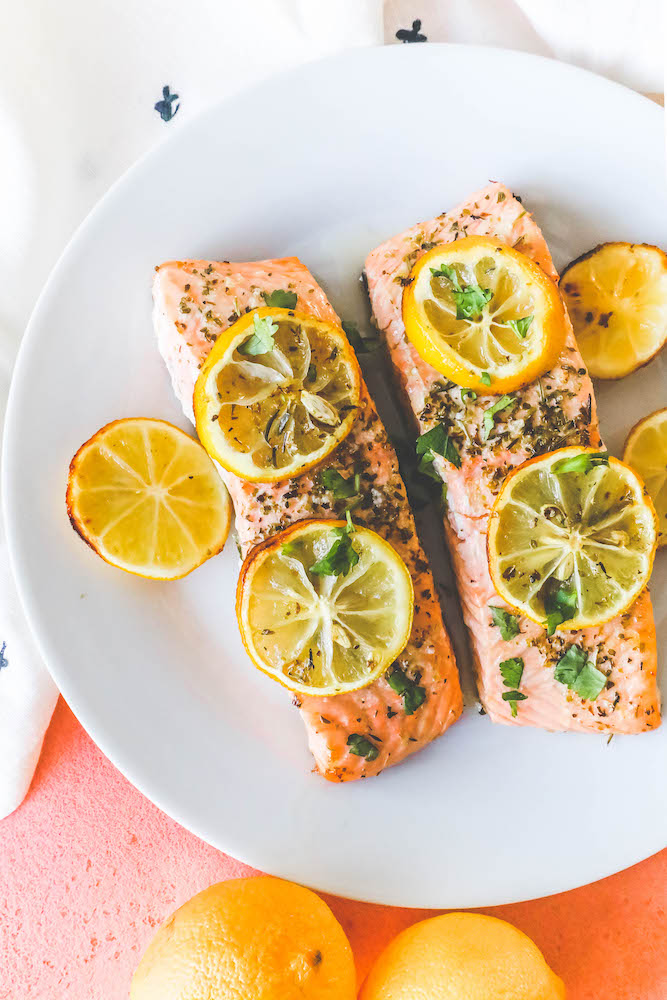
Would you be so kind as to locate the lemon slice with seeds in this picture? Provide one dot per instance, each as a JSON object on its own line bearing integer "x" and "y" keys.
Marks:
{"x": 324, "y": 607}
{"x": 484, "y": 315}
{"x": 571, "y": 538}
{"x": 646, "y": 451}
{"x": 616, "y": 296}
{"x": 148, "y": 499}
{"x": 278, "y": 392}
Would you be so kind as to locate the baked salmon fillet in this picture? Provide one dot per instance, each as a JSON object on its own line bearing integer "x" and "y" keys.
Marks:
{"x": 194, "y": 301}
{"x": 556, "y": 410}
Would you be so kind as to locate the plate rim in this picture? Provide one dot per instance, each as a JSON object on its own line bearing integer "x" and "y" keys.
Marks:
{"x": 104, "y": 739}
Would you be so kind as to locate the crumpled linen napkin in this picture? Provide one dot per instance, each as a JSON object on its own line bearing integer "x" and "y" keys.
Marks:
{"x": 86, "y": 86}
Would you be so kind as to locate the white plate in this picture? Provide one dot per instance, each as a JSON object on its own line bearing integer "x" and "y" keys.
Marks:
{"x": 325, "y": 162}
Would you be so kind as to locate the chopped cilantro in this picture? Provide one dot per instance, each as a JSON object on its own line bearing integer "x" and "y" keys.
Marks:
{"x": 412, "y": 693}
{"x": 506, "y": 622}
{"x": 491, "y": 411}
{"x": 445, "y": 271}
{"x": 570, "y": 665}
{"x": 470, "y": 301}
{"x": 583, "y": 462}
{"x": 560, "y": 603}
{"x": 433, "y": 440}
{"x": 261, "y": 340}
{"x": 280, "y": 299}
{"x": 362, "y": 345}
{"x": 426, "y": 466}
{"x": 511, "y": 671}
{"x": 485, "y": 378}
{"x": 362, "y": 747}
{"x": 589, "y": 683}
{"x": 436, "y": 442}
{"x": 575, "y": 670}
{"x": 342, "y": 555}
{"x": 341, "y": 487}
{"x": 520, "y": 326}
{"x": 512, "y": 697}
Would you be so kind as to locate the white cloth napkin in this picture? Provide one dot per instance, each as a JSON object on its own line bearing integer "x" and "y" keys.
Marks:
{"x": 86, "y": 86}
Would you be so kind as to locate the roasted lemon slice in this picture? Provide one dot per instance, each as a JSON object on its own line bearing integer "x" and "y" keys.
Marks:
{"x": 616, "y": 296}
{"x": 571, "y": 538}
{"x": 148, "y": 499}
{"x": 646, "y": 451}
{"x": 324, "y": 607}
{"x": 276, "y": 395}
{"x": 484, "y": 315}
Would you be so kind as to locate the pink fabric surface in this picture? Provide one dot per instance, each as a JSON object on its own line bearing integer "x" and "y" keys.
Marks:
{"x": 89, "y": 868}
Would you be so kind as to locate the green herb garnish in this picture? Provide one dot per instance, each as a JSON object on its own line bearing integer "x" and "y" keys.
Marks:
{"x": 468, "y": 394}
{"x": 485, "y": 378}
{"x": 589, "y": 683}
{"x": 289, "y": 548}
{"x": 576, "y": 671}
{"x": 511, "y": 672}
{"x": 512, "y": 697}
{"x": 280, "y": 299}
{"x": 362, "y": 345}
{"x": 520, "y": 326}
{"x": 342, "y": 555}
{"x": 489, "y": 417}
{"x": 469, "y": 299}
{"x": 445, "y": 271}
{"x": 341, "y": 487}
{"x": 570, "y": 665}
{"x": 506, "y": 622}
{"x": 361, "y": 746}
{"x": 581, "y": 463}
{"x": 311, "y": 374}
{"x": 436, "y": 442}
{"x": 412, "y": 693}
{"x": 560, "y": 603}
{"x": 261, "y": 340}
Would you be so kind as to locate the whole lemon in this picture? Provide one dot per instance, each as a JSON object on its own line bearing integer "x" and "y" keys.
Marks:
{"x": 256, "y": 938}
{"x": 462, "y": 956}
